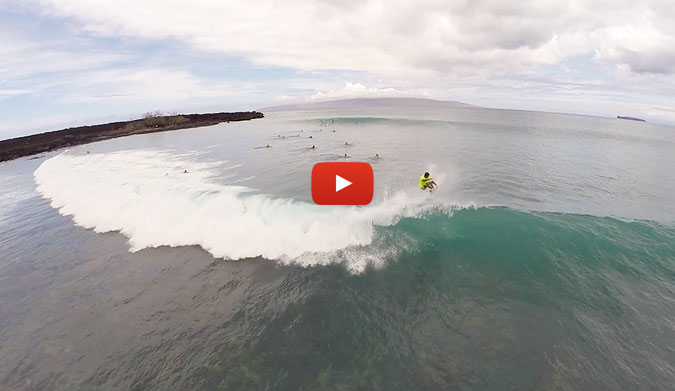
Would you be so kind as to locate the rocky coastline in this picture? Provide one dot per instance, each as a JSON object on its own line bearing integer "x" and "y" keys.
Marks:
{"x": 44, "y": 142}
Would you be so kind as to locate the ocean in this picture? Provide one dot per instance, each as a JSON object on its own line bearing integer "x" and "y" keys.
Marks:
{"x": 196, "y": 259}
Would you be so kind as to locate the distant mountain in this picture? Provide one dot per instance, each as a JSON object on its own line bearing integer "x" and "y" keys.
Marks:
{"x": 370, "y": 102}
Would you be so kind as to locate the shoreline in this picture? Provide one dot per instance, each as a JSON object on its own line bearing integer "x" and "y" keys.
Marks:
{"x": 15, "y": 148}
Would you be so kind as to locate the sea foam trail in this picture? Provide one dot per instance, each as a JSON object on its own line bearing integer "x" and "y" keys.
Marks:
{"x": 147, "y": 197}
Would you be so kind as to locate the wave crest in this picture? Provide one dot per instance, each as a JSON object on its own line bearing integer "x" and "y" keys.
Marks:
{"x": 146, "y": 196}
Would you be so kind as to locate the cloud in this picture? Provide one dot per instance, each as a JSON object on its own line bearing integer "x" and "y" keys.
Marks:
{"x": 358, "y": 90}
{"x": 449, "y": 38}
{"x": 21, "y": 58}
{"x": 586, "y": 56}
{"x": 78, "y": 72}
{"x": 13, "y": 92}
{"x": 160, "y": 84}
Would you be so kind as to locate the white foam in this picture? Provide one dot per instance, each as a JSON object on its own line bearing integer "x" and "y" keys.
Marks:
{"x": 146, "y": 196}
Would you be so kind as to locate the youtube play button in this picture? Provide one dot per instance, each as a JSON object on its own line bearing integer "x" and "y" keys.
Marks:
{"x": 342, "y": 183}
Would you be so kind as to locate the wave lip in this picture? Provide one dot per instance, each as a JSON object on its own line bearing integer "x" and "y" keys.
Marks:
{"x": 147, "y": 197}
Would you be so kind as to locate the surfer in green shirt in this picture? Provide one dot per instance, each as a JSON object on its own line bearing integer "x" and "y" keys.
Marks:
{"x": 426, "y": 182}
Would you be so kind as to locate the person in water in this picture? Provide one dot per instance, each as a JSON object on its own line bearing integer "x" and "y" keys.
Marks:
{"x": 426, "y": 182}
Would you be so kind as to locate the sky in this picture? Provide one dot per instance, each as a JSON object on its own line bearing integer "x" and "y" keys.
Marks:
{"x": 74, "y": 62}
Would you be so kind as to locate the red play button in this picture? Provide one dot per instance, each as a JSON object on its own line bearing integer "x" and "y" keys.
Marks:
{"x": 342, "y": 183}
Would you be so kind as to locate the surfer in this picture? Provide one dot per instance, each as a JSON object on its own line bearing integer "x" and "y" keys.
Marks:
{"x": 426, "y": 182}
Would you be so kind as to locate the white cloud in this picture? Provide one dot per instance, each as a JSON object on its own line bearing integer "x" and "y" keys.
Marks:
{"x": 496, "y": 53}
{"x": 358, "y": 90}
{"x": 79, "y": 73}
{"x": 13, "y": 92}
{"x": 21, "y": 58}
{"x": 142, "y": 83}
{"x": 441, "y": 38}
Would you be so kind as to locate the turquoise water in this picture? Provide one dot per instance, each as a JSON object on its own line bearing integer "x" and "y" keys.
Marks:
{"x": 487, "y": 299}
{"x": 545, "y": 260}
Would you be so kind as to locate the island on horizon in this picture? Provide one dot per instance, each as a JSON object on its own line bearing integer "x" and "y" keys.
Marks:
{"x": 352, "y": 103}
{"x": 15, "y": 148}
{"x": 630, "y": 118}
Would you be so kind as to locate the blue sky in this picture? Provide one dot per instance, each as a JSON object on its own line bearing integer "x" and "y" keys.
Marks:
{"x": 72, "y": 62}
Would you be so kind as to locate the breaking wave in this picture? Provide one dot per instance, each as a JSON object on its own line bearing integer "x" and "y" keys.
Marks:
{"x": 147, "y": 197}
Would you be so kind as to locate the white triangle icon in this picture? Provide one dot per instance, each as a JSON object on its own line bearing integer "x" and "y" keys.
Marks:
{"x": 340, "y": 183}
